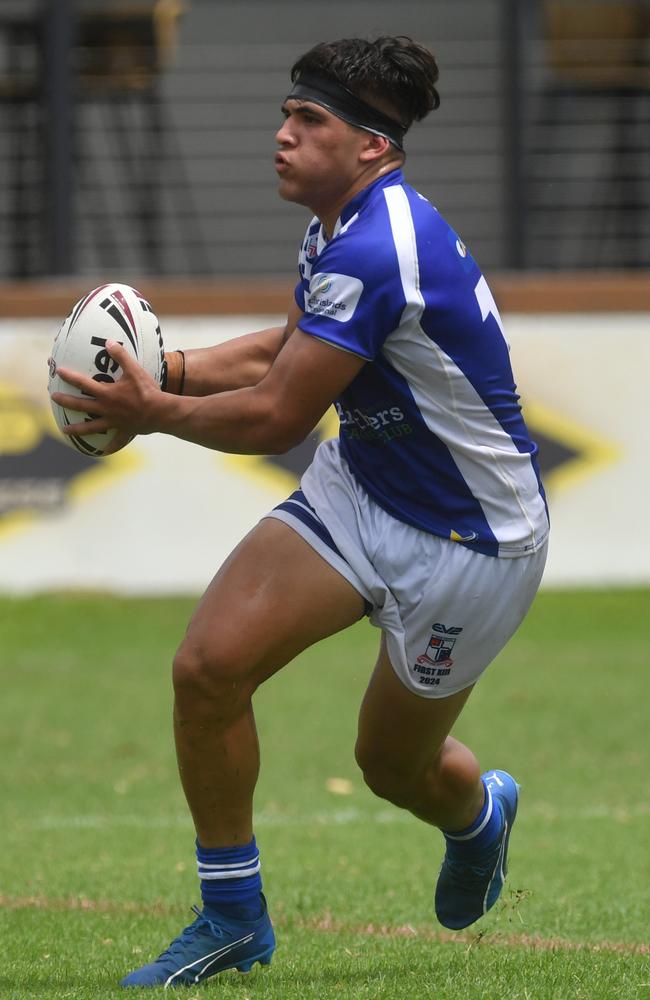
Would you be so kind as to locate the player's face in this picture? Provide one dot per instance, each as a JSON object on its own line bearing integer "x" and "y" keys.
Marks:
{"x": 318, "y": 161}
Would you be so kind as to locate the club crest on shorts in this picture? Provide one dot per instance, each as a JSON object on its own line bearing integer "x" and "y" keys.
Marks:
{"x": 436, "y": 661}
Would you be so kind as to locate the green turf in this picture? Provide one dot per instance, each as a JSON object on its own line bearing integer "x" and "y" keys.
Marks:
{"x": 97, "y": 867}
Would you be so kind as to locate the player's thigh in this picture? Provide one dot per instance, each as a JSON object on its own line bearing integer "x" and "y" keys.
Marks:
{"x": 273, "y": 597}
{"x": 400, "y": 731}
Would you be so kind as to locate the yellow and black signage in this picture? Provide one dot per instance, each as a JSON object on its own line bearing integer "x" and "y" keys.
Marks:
{"x": 38, "y": 470}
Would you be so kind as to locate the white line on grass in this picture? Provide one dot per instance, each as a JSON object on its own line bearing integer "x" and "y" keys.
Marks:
{"x": 339, "y": 817}
{"x": 538, "y": 811}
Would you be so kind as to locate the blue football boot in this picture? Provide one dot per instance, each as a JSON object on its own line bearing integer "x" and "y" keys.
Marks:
{"x": 469, "y": 885}
{"x": 210, "y": 945}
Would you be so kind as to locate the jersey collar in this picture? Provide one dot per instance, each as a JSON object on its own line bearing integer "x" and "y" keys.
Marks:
{"x": 363, "y": 197}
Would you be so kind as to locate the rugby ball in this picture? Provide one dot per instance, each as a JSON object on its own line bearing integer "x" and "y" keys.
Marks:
{"x": 110, "y": 312}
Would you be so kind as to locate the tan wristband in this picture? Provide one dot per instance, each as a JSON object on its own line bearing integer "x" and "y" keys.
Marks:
{"x": 175, "y": 383}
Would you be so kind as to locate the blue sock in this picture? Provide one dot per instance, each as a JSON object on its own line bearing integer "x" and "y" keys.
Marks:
{"x": 480, "y": 835}
{"x": 230, "y": 880}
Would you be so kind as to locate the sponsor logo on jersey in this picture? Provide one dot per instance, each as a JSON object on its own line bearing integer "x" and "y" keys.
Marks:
{"x": 333, "y": 295}
{"x": 456, "y": 536}
{"x": 466, "y": 260}
{"x": 379, "y": 425}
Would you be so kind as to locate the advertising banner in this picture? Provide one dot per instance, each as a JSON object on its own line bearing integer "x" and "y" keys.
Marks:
{"x": 161, "y": 515}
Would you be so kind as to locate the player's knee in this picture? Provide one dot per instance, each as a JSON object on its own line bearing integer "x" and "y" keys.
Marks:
{"x": 209, "y": 675}
{"x": 385, "y": 778}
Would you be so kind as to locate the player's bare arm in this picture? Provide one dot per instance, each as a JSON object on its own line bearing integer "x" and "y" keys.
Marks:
{"x": 235, "y": 364}
{"x": 270, "y": 417}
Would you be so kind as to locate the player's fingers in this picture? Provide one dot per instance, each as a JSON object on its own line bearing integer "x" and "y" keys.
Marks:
{"x": 78, "y": 380}
{"x": 120, "y": 354}
{"x": 78, "y": 404}
{"x": 97, "y": 426}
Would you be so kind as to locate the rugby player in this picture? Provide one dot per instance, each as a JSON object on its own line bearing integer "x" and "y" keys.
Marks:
{"x": 427, "y": 514}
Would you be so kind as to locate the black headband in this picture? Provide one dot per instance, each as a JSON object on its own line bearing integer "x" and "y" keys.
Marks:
{"x": 341, "y": 102}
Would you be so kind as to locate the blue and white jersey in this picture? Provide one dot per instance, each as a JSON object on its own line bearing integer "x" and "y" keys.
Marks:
{"x": 431, "y": 426}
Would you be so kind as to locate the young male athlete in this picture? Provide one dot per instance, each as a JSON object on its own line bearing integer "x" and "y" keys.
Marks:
{"x": 427, "y": 513}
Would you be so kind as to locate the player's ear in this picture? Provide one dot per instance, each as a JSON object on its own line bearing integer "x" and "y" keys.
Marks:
{"x": 374, "y": 147}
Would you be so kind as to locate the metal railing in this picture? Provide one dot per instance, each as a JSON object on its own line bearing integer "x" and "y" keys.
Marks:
{"x": 137, "y": 138}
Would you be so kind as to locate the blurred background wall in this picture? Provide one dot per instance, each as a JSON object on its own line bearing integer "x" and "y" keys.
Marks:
{"x": 136, "y": 144}
{"x": 138, "y": 137}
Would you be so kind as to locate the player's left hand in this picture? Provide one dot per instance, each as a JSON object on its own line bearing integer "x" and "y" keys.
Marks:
{"x": 125, "y": 404}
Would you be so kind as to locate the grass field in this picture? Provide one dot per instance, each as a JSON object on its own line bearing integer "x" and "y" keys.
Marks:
{"x": 97, "y": 866}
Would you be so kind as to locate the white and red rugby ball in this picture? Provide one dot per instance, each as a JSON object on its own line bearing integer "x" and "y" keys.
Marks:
{"x": 110, "y": 312}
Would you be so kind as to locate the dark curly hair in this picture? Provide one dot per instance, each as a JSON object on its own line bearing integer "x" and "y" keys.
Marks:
{"x": 391, "y": 69}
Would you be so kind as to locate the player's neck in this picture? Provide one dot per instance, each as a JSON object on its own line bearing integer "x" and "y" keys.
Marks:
{"x": 331, "y": 213}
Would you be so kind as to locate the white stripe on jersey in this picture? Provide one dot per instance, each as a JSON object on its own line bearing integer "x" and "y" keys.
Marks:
{"x": 454, "y": 411}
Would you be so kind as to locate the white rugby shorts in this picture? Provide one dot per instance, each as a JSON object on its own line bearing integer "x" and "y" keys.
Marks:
{"x": 446, "y": 610}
